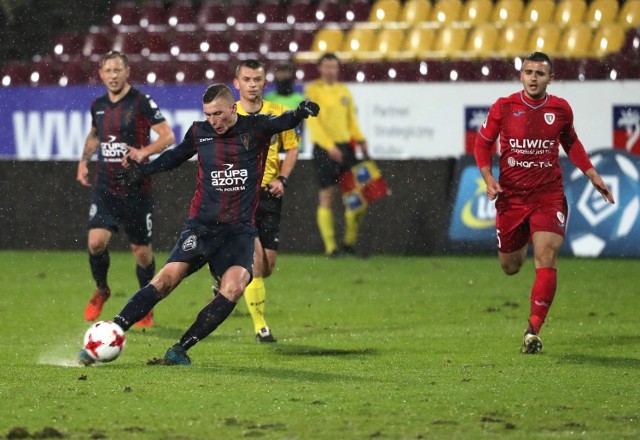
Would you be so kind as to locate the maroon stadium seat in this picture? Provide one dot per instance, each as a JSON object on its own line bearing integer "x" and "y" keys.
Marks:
{"x": 191, "y": 72}
{"x": 153, "y": 16}
{"x": 403, "y": 71}
{"x": 271, "y": 14}
{"x": 363, "y": 72}
{"x": 357, "y": 11}
{"x": 461, "y": 70}
{"x": 590, "y": 69}
{"x": 631, "y": 44}
{"x": 48, "y": 71}
{"x": 301, "y": 12}
{"x": 18, "y": 73}
{"x": 565, "y": 69}
{"x": 165, "y": 73}
{"x": 80, "y": 71}
{"x": 303, "y": 38}
{"x": 244, "y": 42}
{"x": 156, "y": 46}
{"x": 125, "y": 16}
{"x": 212, "y": 16}
{"x": 242, "y": 14}
{"x": 621, "y": 66}
{"x": 187, "y": 45}
{"x": 182, "y": 16}
{"x": 67, "y": 45}
{"x": 331, "y": 11}
{"x": 306, "y": 72}
{"x": 97, "y": 43}
{"x": 496, "y": 69}
{"x": 223, "y": 71}
{"x": 432, "y": 71}
{"x": 274, "y": 44}
{"x": 129, "y": 43}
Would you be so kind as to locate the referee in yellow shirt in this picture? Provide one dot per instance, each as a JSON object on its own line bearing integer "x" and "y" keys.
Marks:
{"x": 250, "y": 81}
{"x": 332, "y": 134}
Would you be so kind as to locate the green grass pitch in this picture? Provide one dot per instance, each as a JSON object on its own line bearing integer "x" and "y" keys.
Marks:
{"x": 383, "y": 348}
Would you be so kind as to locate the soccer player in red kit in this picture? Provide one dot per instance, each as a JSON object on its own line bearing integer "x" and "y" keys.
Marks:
{"x": 531, "y": 205}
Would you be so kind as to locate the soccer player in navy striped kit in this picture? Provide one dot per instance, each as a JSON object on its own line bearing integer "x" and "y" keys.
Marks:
{"x": 220, "y": 231}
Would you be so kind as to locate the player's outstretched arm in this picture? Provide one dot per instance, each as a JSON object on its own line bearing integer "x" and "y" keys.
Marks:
{"x": 599, "y": 185}
{"x": 291, "y": 118}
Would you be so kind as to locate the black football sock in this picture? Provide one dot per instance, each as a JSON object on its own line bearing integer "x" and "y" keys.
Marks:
{"x": 207, "y": 321}
{"x": 138, "y": 306}
{"x": 145, "y": 274}
{"x": 99, "y": 267}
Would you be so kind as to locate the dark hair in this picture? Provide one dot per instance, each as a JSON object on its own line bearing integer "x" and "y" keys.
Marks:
{"x": 114, "y": 54}
{"x": 328, "y": 56}
{"x": 540, "y": 57}
{"x": 286, "y": 67}
{"x": 216, "y": 90}
{"x": 251, "y": 64}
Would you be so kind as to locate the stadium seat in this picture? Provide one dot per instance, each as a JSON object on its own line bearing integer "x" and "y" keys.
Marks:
{"x": 129, "y": 43}
{"x": 153, "y": 17}
{"x": 601, "y": 12}
{"x": 446, "y": 11}
{"x": 609, "y": 38}
{"x": 156, "y": 46}
{"x": 244, "y": 42}
{"x": 476, "y": 12}
{"x": 331, "y": 12}
{"x": 449, "y": 43}
{"x": 389, "y": 41}
{"x": 417, "y": 42}
{"x": 591, "y": 69}
{"x": 212, "y": 16}
{"x": 538, "y": 12}
{"x": 461, "y": 70}
{"x": 182, "y": 16}
{"x": 45, "y": 72}
{"x": 15, "y": 73}
{"x": 414, "y": 12}
{"x": 191, "y": 72}
{"x": 507, "y": 11}
{"x": 629, "y": 15}
{"x": 215, "y": 44}
{"x": 565, "y": 69}
{"x": 302, "y": 40}
{"x": 358, "y": 44}
{"x": 243, "y": 15}
{"x": 301, "y": 13}
{"x": 159, "y": 73}
{"x": 576, "y": 41}
{"x": 271, "y": 15}
{"x": 482, "y": 41}
{"x": 631, "y": 45}
{"x": 326, "y": 40}
{"x": 544, "y": 38}
{"x": 186, "y": 45}
{"x": 357, "y": 11}
{"x": 498, "y": 69}
{"x": 97, "y": 43}
{"x": 306, "y": 71}
{"x": 67, "y": 45}
{"x": 513, "y": 39}
{"x": 623, "y": 67}
{"x": 275, "y": 44}
{"x": 79, "y": 71}
{"x": 364, "y": 72}
{"x": 570, "y": 12}
{"x": 125, "y": 16}
{"x": 385, "y": 11}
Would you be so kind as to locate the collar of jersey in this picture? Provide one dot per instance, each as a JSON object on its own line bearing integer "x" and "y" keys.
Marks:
{"x": 533, "y": 103}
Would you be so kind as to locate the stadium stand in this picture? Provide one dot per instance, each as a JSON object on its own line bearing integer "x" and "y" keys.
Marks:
{"x": 410, "y": 40}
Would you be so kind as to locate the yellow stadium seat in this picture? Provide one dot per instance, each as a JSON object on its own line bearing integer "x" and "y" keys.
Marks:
{"x": 482, "y": 40}
{"x": 544, "y": 38}
{"x": 576, "y": 41}
{"x": 513, "y": 40}
{"x": 538, "y": 12}
{"x": 418, "y": 41}
{"x": 446, "y": 11}
{"x": 385, "y": 11}
{"x": 609, "y": 39}
{"x": 358, "y": 44}
{"x": 389, "y": 41}
{"x": 629, "y": 15}
{"x": 476, "y": 12}
{"x": 507, "y": 11}
{"x": 450, "y": 42}
{"x": 326, "y": 40}
{"x": 601, "y": 12}
{"x": 570, "y": 12}
{"x": 415, "y": 11}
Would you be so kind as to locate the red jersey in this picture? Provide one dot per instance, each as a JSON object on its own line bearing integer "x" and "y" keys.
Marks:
{"x": 531, "y": 133}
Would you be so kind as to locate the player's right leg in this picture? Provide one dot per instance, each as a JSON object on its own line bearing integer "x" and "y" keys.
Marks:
{"x": 328, "y": 173}
{"x": 99, "y": 261}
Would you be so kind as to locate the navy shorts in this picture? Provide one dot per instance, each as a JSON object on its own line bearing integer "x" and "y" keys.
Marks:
{"x": 133, "y": 211}
{"x": 221, "y": 246}
{"x": 268, "y": 220}
{"x": 329, "y": 171}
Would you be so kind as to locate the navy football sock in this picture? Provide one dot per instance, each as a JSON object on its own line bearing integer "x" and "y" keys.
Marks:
{"x": 138, "y": 306}
{"x": 99, "y": 267}
{"x": 207, "y": 321}
{"x": 145, "y": 274}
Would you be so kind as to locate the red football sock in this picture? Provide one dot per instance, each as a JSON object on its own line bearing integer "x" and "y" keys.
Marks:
{"x": 542, "y": 293}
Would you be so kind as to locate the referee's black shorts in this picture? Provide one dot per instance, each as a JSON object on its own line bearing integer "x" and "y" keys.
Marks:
{"x": 329, "y": 171}
{"x": 268, "y": 219}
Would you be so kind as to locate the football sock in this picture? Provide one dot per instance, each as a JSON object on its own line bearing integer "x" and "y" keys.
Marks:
{"x": 207, "y": 321}
{"x": 145, "y": 274}
{"x": 353, "y": 220}
{"x": 542, "y": 294}
{"x": 138, "y": 306}
{"x": 99, "y": 267}
{"x": 255, "y": 295}
{"x": 326, "y": 227}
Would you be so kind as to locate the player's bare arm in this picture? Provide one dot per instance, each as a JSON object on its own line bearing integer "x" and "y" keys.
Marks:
{"x": 91, "y": 144}
{"x": 493, "y": 186}
{"x": 277, "y": 186}
{"x": 599, "y": 185}
{"x": 165, "y": 139}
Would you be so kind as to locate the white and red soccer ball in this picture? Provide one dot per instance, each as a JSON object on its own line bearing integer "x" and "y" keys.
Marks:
{"x": 104, "y": 341}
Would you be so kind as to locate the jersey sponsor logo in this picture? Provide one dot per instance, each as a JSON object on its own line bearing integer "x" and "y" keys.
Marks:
{"x": 209, "y": 139}
{"x": 93, "y": 210}
{"x": 549, "y": 118}
{"x": 190, "y": 243}
{"x": 528, "y": 163}
{"x": 532, "y": 144}
{"x": 626, "y": 128}
{"x": 518, "y": 113}
{"x": 113, "y": 151}
{"x": 229, "y": 179}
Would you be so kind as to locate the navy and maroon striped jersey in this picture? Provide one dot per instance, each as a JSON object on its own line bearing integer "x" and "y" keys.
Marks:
{"x": 125, "y": 122}
{"x": 230, "y": 165}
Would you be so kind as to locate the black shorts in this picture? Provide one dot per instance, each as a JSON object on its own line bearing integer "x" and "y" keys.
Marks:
{"x": 133, "y": 211}
{"x": 268, "y": 220}
{"x": 221, "y": 246}
{"x": 329, "y": 171}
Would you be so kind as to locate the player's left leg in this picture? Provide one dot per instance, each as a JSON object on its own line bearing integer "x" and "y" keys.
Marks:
{"x": 546, "y": 246}
{"x": 145, "y": 270}
{"x": 353, "y": 222}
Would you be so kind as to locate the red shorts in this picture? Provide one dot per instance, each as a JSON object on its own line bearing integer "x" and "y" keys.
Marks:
{"x": 515, "y": 224}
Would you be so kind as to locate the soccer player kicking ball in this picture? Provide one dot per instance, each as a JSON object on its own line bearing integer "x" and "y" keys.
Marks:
{"x": 220, "y": 231}
{"x": 531, "y": 205}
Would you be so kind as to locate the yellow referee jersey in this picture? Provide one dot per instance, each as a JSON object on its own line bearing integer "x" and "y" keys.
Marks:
{"x": 287, "y": 140}
{"x": 336, "y": 122}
